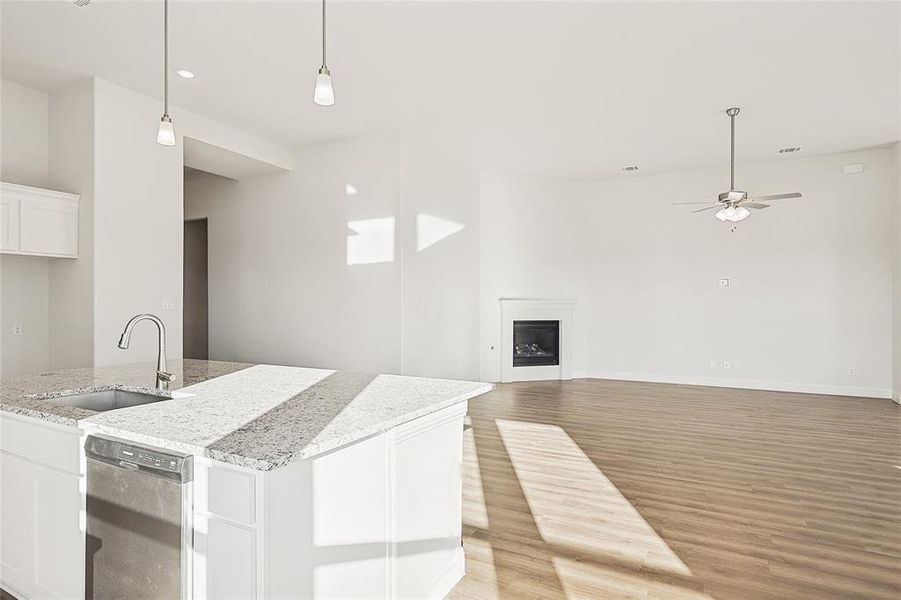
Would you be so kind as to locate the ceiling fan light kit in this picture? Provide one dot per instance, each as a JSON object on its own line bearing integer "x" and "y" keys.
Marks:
{"x": 734, "y": 205}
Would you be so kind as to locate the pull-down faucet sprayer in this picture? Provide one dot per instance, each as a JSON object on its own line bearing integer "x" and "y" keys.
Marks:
{"x": 163, "y": 377}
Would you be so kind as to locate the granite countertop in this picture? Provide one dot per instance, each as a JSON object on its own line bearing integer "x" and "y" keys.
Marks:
{"x": 256, "y": 416}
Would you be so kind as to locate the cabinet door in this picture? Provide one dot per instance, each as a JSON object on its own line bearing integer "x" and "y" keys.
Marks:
{"x": 231, "y": 563}
{"x": 48, "y": 227}
{"x": 57, "y": 569}
{"x": 15, "y": 521}
{"x": 9, "y": 223}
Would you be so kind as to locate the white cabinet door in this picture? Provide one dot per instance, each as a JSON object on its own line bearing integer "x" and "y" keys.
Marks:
{"x": 9, "y": 223}
{"x": 225, "y": 560}
{"x": 38, "y": 222}
{"x": 57, "y": 569}
{"x": 15, "y": 522}
{"x": 41, "y": 537}
{"x": 48, "y": 227}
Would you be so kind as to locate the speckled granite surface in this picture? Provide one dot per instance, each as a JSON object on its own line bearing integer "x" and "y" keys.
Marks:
{"x": 27, "y": 395}
{"x": 256, "y": 416}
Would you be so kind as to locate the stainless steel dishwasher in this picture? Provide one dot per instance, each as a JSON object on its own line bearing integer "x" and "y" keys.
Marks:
{"x": 138, "y": 526}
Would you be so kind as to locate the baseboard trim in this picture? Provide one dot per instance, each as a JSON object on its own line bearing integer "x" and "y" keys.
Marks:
{"x": 896, "y": 396}
{"x": 748, "y": 384}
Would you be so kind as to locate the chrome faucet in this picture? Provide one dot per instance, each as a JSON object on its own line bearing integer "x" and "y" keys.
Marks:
{"x": 163, "y": 377}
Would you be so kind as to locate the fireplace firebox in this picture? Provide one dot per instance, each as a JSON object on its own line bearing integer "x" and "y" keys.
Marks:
{"x": 536, "y": 343}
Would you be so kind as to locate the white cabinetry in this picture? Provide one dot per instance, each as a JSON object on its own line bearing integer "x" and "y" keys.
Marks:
{"x": 38, "y": 222}
{"x": 41, "y": 537}
{"x": 377, "y": 519}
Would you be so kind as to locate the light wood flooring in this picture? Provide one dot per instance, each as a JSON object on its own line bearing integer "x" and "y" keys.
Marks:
{"x": 601, "y": 489}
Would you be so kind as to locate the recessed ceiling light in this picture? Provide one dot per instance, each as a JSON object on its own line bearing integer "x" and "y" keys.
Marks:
{"x": 789, "y": 149}
{"x": 185, "y": 74}
{"x": 630, "y": 168}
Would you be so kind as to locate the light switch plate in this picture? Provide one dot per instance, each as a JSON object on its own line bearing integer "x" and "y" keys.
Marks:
{"x": 725, "y": 282}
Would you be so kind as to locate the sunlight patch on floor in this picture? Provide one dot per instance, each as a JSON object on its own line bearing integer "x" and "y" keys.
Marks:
{"x": 475, "y": 514}
{"x": 599, "y": 521}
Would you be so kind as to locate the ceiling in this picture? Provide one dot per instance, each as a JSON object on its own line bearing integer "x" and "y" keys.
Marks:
{"x": 550, "y": 89}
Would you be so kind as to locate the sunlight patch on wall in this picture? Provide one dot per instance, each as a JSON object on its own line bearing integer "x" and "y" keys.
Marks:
{"x": 430, "y": 230}
{"x": 370, "y": 241}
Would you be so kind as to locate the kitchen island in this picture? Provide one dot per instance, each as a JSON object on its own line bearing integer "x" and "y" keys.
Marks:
{"x": 307, "y": 483}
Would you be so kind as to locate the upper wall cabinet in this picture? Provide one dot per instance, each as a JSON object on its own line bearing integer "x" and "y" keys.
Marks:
{"x": 38, "y": 222}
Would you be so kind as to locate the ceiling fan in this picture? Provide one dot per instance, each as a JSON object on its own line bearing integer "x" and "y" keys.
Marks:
{"x": 733, "y": 205}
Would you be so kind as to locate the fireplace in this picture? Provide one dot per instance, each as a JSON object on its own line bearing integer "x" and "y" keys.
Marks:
{"x": 536, "y": 343}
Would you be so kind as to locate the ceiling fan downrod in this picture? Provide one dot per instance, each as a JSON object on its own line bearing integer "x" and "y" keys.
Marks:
{"x": 732, "y": 112}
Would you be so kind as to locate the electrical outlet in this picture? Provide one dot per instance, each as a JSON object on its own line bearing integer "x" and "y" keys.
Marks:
{"x": 727, "y": 365}
{"x": 725, "y": 282}
{"x": 168, "y": 303}
{"x": 712, "y": 364}
{"x": 18, "y": 329}
{"x": 852, "y": 371}
{"x": 736, "y": 365}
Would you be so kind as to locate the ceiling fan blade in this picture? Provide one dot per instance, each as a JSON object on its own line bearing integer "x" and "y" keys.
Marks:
{"x": 708, "y": 208}
{"x": 754, "y": 205}
{"x": 778, "y": 196}
{"x": 707, "y": 202}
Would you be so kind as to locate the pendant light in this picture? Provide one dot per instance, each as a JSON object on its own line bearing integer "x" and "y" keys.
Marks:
{"x": 166, "y": 134}
{"x": 323, "y": 93}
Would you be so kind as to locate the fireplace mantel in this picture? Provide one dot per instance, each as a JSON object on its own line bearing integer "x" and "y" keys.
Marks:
{"x": 530, "y": 309}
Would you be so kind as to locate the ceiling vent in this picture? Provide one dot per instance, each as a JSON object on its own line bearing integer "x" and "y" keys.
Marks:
{"x": 81, "y": 3}
{"x": 789, "y": 149}
{"x": 630, "y": 168}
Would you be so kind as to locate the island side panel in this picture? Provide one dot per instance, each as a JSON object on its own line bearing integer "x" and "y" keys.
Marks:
{"x": 326, "y": 524}
{"x": 426, "y": 505}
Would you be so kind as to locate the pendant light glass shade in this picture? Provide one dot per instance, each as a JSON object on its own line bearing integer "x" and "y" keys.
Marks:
{"x": 733, "y": 214}
{"x": 324, "y": 94}
{"x": 166, "y": 134}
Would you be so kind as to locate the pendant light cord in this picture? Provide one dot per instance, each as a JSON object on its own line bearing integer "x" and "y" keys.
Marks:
{"x": 323, "y": 33}
{"x": 166, "y": 57}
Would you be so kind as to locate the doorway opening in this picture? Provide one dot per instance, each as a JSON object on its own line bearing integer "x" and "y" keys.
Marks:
{"x": 196, "y": 291}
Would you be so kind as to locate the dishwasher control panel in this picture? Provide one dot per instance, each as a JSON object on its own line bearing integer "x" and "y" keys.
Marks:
{"x": 122, "y": 453}
{"x": 148, "y": 458}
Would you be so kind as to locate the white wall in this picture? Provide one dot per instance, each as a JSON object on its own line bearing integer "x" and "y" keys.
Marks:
{"x": 138, "y": 216}
{"x": 281, "y": 288}
{"x": 811, "y": 289}
{"x": 23, "y": 144}
{"x": 72, "y": 281}
{"x": 24, "y": 281}
{"x": 440, "y": 259}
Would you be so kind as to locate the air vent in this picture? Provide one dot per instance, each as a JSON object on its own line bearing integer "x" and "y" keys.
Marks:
{"x": 631, "y": 168}
{"x": 81, "y": 3}
{"x": 789, "y": 150}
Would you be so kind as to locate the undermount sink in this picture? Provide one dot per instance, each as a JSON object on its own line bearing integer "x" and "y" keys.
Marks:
{"x": 107, "y": 400}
